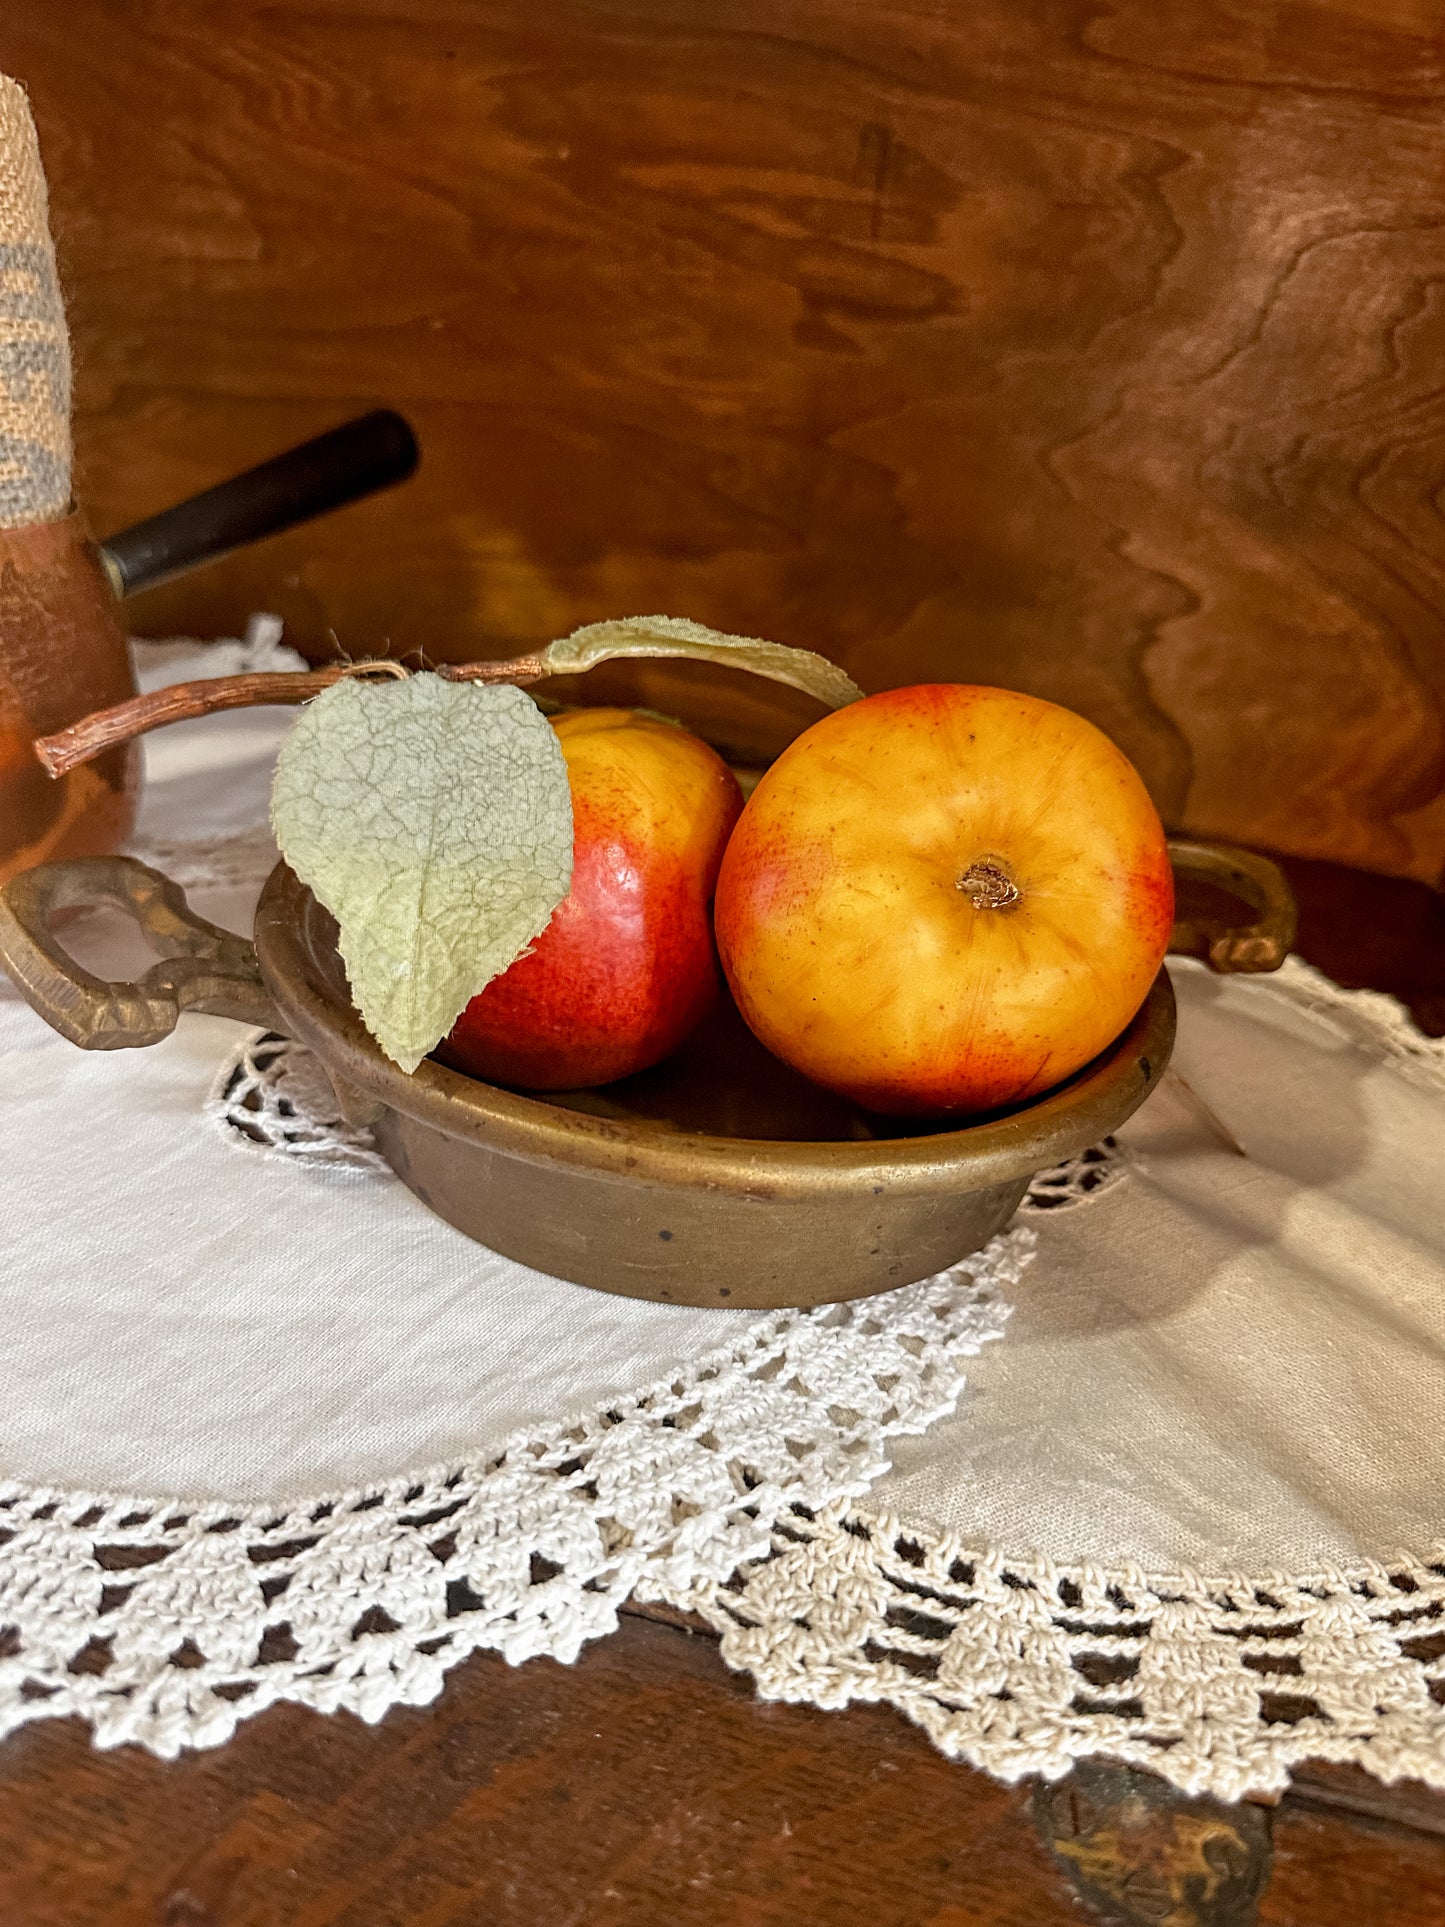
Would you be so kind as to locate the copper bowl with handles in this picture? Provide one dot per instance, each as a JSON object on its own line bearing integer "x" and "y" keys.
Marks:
{"x": 719, "y": 1178}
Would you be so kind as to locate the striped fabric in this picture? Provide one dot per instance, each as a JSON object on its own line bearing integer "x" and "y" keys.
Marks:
{"x": 34, "y": 344}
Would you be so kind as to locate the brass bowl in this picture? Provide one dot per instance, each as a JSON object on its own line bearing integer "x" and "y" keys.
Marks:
{"x": 720, "y": 1179}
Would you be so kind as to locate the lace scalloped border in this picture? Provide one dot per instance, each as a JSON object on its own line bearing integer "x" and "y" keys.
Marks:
{"x": 1020, "y": 1666}
{"x": 166, "y": 1624}
{"x": 271, "y": 1096}
{"x": 729, "y": 1491}
{"x": 1023, "y": 1667}
{"x": 1370, "y": 1019}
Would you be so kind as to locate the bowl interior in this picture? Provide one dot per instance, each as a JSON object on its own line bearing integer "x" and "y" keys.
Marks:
{"x": 720, "y": 1083}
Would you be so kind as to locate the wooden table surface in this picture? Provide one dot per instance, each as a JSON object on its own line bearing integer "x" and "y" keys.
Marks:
{"x": 646, "y": 1785}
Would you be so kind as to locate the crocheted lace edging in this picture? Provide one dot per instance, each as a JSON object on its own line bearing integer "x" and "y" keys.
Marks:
{"x": 1021, "y": 1666}
{"x": 167, "y": 1623}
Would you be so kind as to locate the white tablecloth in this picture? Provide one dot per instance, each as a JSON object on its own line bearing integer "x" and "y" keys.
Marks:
{"x": 1212, "y": 1436}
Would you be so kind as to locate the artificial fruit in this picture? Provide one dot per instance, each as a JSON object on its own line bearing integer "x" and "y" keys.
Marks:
{"x": 626, "y": 967}
{"x": 944, "y": 899}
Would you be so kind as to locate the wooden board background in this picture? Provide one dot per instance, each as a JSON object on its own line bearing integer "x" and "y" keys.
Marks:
{"x": 1095, "y": 349}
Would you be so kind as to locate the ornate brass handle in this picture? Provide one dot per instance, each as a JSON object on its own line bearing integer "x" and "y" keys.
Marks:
{"x": 1261, "y": 945}
{"x": 202, "y": 967}
{"x": 205, "y": 968}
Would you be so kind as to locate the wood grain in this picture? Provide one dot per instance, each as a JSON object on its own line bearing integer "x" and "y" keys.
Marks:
{"x": 1385, "y": 1876}
{"x": 1093, "y": 349}
{"x": 644, "y": 1787}
{"x": 640, "y": 1788}
{"x": 1374, "y": 933}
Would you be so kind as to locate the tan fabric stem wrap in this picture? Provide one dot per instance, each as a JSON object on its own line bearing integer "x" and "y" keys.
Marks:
{"x": 34, "y": 344}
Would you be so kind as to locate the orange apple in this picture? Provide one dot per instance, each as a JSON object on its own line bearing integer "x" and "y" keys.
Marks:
{"x": 626, "y": 967}
{"x": 944, "y": 899}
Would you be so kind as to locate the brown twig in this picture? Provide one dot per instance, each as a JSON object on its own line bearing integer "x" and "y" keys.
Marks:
{"x": 68, "y": 748}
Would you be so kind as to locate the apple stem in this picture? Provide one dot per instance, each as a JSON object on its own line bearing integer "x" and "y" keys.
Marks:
{"x": 988, "y": 885}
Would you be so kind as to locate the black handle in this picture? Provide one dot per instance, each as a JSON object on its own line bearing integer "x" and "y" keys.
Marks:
{"x": 339, "y": 467}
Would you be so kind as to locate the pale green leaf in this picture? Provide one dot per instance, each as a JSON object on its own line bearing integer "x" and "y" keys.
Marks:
{"x": 434, "y": 821}
{"x": 675, "y": 636}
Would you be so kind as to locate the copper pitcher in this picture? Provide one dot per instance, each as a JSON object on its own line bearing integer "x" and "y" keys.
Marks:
{"x": 62, "y": 654}
{"x": 63, "y": 651}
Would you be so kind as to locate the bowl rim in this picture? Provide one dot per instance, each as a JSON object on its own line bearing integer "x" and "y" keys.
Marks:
{"x": 1001, "y": 1150}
